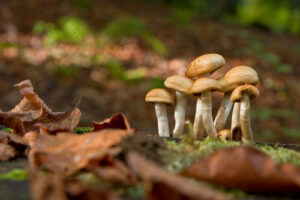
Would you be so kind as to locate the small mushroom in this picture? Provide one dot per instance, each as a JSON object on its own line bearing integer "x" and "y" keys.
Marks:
{"x": 243, "y": 94}
{"x": 181, "y": 85}
{"x": 225, "y": 134}
{"x": 236, "y": 76}
{"x": 161, "y": 97}
{"x": 203, "y": 87}
{"x": 200, "y": 67}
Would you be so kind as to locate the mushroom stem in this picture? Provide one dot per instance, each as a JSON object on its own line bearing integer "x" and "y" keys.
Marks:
{"x": 179, "y": 113}
{"x": 223, "y": 112}
{"x": 207, "y": 114}
{"x": 245, "y": 119}
{"x": 198, "y": 128}
{"x": 162, "y": 120}
{"x": 235, "y": 122}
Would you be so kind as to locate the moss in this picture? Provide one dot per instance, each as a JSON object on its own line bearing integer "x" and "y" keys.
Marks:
{"x": 15, "y": 175}
{"x": 180, "y": 155}
{"x": 81, "y": 130}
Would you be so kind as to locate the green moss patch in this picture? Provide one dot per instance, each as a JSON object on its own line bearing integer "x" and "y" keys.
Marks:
{"x": 15, "y": 175}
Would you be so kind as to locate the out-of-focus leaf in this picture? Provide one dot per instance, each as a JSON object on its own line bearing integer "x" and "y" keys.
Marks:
{"x": 54, "y": 187}
{"x": 66, "y": 153}
{"x": 15, "y": 174}
{"x": 110, "y": 169}
{"x": 117, "y": 121}
{"x": 246, "y": 168}
{"x": 160, "y": 184}
{"x": 7, "y": 152}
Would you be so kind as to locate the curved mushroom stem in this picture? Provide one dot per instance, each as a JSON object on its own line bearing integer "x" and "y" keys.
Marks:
{"x": 245, "y": 119}
{"x": 207, "y": 114}
{"x": 235, "y": 122}
{"x": 179, "y": 113}
{"x": 223, "y": 112}
{"x": 162, "y": 120}
{"x": 198, "y": 128}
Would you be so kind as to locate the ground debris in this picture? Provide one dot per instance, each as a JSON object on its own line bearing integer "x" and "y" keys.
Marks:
{"x": 161, "y": 184}
{"x": 246, "y": 168}
{"x": 11, "y": 145}
{"x": 32, "y": 113}
{"x": 66, "y": 153}
{"x": 55, "y": 187}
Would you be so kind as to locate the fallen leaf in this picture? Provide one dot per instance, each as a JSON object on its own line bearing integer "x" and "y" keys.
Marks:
{"x": 67, "y": 153}
{"x": 7, "y": 152}
{"x": 117, "y": 121}
{"x": 161, "y": 184}
{"x": 246, "y": 168}
{"x": 112, "y": 170}
{"x": 32, "y": 113}
{"x": 54, "y": 187}
{"x": 11, "y": 145}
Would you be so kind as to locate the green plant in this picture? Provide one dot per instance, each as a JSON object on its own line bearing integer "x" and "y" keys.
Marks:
{"x": 69, "y": 29}
{"x": 182, "y": 16}
{"x": 128, "y": 27}
{"x": 81, "y": 130}
{"x": 66, "y": 71}
{"x": 15, "y": 175}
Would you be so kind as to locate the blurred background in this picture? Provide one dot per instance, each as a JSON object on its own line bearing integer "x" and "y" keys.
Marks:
{"x": 111, "y": 52}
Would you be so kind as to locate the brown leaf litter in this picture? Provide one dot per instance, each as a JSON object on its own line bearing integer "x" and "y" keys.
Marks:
{"x": 11, "y": 145}
{"x": 67, "y": 153}
{"x": 32, "y": 113}
{"x": 246, "y": 168}
{"x": 55, "y": 187}
{"x": 117, "y": 121}
{"x": 161, "y": 184}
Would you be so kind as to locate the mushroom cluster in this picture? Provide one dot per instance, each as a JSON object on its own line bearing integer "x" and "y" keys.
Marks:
{"x": 238, "y": 86}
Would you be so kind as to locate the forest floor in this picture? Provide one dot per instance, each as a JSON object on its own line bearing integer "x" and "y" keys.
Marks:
{"x": 64, "y": 72}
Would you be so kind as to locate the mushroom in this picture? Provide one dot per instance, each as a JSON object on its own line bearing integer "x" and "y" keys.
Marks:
{"x": 202, "y": 66}
{"x": 225, "y": 134}
{"x": 161, "y": 97}
{"x": 203, "y": 87}
{"x": 243, "y": 94}
{"x": 236, "y": 133}
{"x": 181, "y": 85}
{"x": 236, "y": 76}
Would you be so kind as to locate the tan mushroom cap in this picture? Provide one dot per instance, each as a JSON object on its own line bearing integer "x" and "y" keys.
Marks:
{"x": 241, "y": 75}
{"x": 204, "y": 84}
{"x": 206, "y": 63}
{"x": 225, "y": 134}
{"x": 225, "y": 86}
{"x": 159, "y": 95}
{"x": 238, "y": 92}
{"x": 179, "y": 83}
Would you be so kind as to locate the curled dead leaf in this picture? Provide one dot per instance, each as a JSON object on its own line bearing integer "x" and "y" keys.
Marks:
{"x": 67, "y": 153}
{"x": 117, "y": 121}
{"x": 32, "y": 113}
{"x": 161, "y": 184}
{"x": 246, "y": 168}
{"x": 12, "y": 145}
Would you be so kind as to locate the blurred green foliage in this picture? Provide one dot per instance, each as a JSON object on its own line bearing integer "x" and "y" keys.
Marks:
{"x": 66, "y": 71}
{"x": 266, "y": 113}
{"x": 275, "y": 15}
{"x": 15, "y": 175}
{"x": 132, "y": 26}
{"x": 69, "y": 29}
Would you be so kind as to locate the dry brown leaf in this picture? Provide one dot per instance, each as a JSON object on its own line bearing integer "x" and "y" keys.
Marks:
{"x": 11, "y": 145}
{"x": 60, "y": 122}
{"x": 7, "y": 152}
{"x": 117, "y": 121}
{"x": 67, "y": 153}
{"x": 246, "y": 168}
{"x": 32, "y": 113}
{"x": 161, "y": 184}
{"x": 54, "y": 187}
{"x": 110, "y": 169}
